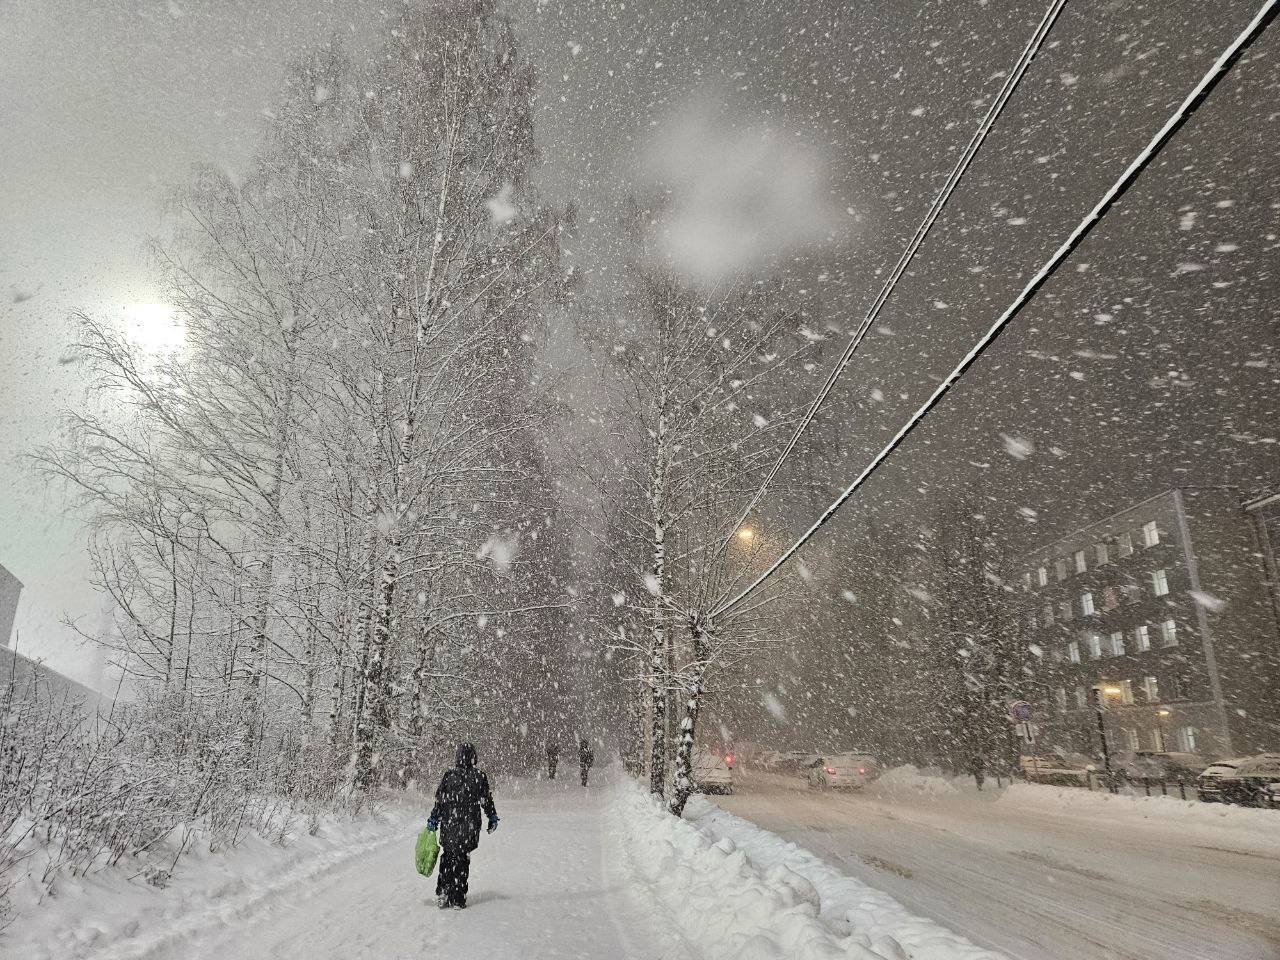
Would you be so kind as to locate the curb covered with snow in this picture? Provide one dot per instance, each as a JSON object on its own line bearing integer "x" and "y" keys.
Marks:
{"x": 737, "y": 892}
{"x": 111, "y": 915}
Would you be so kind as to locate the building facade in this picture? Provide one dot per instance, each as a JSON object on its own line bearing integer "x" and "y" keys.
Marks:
{"x": 10, "y": 591}
{"x": 1164, "y": 616}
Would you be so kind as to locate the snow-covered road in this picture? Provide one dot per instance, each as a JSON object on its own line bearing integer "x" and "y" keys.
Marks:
{"x": 546, "y": 885}
{"x": 1046, "y": 877}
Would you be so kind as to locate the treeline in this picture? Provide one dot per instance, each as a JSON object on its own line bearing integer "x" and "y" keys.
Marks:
{"x": 327, "y": 522}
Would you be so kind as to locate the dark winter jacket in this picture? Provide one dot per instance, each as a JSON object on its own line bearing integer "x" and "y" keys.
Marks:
{"x": 462, "y": 793}
{"x": 585, "y": 755}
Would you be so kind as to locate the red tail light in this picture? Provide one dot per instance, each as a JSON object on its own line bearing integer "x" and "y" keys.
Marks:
{"x": 831, "y": 770}
{"x": 728, "y": 758}
{"x": 862, "y": 769}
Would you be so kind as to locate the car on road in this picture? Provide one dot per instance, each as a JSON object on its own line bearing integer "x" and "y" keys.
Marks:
{"x": 842, "y": 771}
{"x": 712, "y": 772}
{"x": 797, "y": 760}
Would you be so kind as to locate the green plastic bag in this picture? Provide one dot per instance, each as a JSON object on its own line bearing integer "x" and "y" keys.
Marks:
{"x": 427, "y": 852}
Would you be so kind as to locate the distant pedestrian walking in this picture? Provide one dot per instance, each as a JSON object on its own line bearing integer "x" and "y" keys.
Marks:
{"x": 553, "y": 758}
{"x": 462, "y": 794}
{"x": 585, "y": 759}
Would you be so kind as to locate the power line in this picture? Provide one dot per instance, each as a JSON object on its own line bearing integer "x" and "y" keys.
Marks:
{"x": 904, "y": 261}
{"x": 1194, "y": 100}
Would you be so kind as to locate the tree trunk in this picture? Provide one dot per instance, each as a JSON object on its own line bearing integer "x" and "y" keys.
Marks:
{"x": 684, "y": 784}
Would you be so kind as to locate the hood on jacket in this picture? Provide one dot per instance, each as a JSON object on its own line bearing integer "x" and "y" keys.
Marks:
{"x": 466, "y": 757}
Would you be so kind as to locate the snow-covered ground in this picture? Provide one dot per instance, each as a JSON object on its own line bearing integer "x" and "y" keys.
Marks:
{"x": 1039, "y": 873}
{"x": 544, "y": 886}
{"x": 736, "y": 892}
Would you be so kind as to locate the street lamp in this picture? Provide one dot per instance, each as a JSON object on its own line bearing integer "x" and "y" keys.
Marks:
{"x": 746, "y": 534}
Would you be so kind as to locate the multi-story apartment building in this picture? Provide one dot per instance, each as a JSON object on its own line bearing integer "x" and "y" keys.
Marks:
{"x": 1163, "y": 614}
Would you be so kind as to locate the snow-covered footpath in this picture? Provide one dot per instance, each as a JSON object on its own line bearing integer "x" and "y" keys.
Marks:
{"x": 115, "y": 913}
{"x": 737, "y": 892}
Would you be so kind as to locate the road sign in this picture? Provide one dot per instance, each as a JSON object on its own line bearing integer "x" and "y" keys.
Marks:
{"x": 1020, "y": 710}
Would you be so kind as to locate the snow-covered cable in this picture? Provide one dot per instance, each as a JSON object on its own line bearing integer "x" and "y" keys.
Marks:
{"x": 1175, "y": 122}
{"x": 904, "y": 261}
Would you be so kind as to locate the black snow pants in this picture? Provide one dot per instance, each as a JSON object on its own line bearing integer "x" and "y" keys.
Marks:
{"x": 454, "y": 873}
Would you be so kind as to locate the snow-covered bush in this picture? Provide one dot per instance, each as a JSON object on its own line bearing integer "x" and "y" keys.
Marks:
{"x": 147, "y": 781}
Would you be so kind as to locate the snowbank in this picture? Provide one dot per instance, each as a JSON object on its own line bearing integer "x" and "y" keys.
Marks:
{"x": 1074, "y": 800}
{"x": 121, "y": 912}
{"x": 737, "y": 892}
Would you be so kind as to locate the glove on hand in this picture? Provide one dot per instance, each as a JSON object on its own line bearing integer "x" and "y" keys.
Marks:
{"x": 493, "y": 825}
{"x": 433, "y": 824}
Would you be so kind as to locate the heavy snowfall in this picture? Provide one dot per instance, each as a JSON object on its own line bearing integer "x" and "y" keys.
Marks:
{"x": 580, "y": 479}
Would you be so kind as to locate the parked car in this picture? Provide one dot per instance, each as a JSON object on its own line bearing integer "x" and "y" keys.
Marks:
{"x": 1057, "y": 771}
{"x": 1157, "y": 765}
{"x": 712, "y": 772}
{"x": 842, "y": 771}
{"x": 1209, "y": 784}
{"x": 1255, "y": 782}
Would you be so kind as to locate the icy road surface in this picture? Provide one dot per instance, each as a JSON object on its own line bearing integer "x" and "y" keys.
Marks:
{"x": 1051, "y": 877}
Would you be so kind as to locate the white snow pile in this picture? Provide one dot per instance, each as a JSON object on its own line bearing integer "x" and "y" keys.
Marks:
{"x": 1137, "y": 806}
{"x": 120, "y": 912}
{"x": 737, "y": 892}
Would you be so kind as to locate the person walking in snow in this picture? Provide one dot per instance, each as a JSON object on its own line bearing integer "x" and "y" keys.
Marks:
{"x": 462, "y": 794}
{"x": 585, "y": 759}
{"x": 553, "y": 758}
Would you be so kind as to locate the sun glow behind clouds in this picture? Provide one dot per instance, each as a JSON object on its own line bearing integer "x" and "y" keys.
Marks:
{"x": 154, "y": 328}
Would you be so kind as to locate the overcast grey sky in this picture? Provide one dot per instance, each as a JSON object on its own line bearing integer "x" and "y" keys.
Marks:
{"x": 1155, "y": 364}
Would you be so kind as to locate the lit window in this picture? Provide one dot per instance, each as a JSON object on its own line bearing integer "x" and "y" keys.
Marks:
{"x": 1081, "y": 566}
{"x": 1150, "y": 689}
{"x": 1060, "y": 695}
{"x": 1187, "y": 739}
{"x": 1026, "y": 581}
{"x": 1169, "y": 634}
{"x": 1126, "y": 691}
{"x": 1060, "y": 568}
{"x": 1073, "y": 652}
{"x": 1100, "y": 554}
{"x": 1064, "y": 610}
{"x": 1124, "y": 545}
{"x": 1042, "y": 576}
{"x": 1033, "y": 620}
{"x": 1082, "y": 697}
{"x": 1150, "y": 534}
{"x": 1160, "y": 582}
{"x": 1086, "y": 604}
{"x": 1142, "y": 637}
{"x": 1117, "y": 644}
{"x": 1094, "y": 642}
{"x": 1130, "y": 738}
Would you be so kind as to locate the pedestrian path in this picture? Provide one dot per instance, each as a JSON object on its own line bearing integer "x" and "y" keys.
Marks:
{"x": 545, "y": 885}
